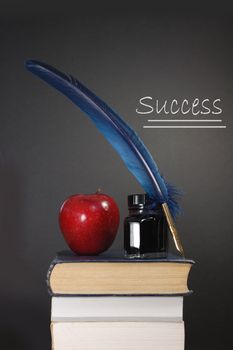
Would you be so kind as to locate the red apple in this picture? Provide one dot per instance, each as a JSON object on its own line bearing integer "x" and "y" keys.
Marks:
{"x": 89, "y": 222}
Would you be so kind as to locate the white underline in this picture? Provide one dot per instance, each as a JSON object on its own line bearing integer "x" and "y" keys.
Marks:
{"x": 185, "y": 120}
{"x": 184, "y": 126}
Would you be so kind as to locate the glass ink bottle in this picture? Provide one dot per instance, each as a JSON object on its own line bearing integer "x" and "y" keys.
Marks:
{"x": 145, "y": 229}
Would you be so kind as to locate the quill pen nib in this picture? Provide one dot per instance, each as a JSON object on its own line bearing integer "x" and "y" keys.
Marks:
{"x": 173, "y": 230}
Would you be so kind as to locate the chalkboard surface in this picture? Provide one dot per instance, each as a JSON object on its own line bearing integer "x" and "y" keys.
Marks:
{"x": 49, "y": 150}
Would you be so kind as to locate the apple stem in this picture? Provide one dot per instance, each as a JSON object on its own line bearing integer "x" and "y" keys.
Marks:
{"x": 98, "y": 191}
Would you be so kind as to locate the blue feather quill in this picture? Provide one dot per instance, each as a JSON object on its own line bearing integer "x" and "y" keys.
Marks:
{"x": 119, "y": 134}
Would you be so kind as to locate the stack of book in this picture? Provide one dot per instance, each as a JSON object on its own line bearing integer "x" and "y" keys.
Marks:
{"x": 108, "y": 302}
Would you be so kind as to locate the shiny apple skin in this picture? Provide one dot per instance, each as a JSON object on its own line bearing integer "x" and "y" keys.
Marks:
{"x": 89, "y": 222}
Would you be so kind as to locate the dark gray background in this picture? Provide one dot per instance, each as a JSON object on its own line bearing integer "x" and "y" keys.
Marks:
{"x": 50, "y": 150}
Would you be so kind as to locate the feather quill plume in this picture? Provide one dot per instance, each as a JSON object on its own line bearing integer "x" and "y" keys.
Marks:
{"x": 121, "y": 136}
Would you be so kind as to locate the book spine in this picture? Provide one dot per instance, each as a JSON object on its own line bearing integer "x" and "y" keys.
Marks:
{"x": 53, "y": 263}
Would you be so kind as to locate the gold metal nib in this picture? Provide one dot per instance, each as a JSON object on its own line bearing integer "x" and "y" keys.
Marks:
{"x": 173, "y": 230}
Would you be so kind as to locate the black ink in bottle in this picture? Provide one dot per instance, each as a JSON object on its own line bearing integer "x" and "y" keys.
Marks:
{"x": 145, "y": 230}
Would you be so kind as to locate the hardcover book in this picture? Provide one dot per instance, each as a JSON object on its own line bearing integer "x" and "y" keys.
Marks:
{"x": 70, "y": 274}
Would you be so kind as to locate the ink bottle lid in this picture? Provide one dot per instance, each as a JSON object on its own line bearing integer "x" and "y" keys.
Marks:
{"x": 145, "y": 229}
{"x": 137, "y": 201}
